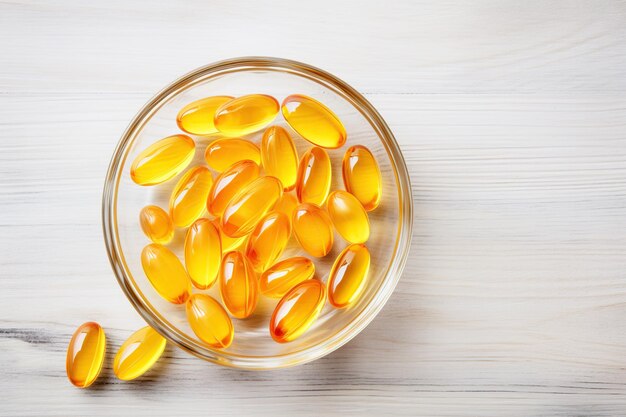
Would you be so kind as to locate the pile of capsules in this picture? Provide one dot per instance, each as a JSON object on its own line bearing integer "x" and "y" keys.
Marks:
{"x": 252, "y": 213}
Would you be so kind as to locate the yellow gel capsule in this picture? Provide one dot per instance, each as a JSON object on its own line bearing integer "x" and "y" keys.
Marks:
{"x": 297, "y": 310}
{"x": 268, "y": 240}
{"x": 197, "y": 117}
{"x": 228, "y": 183}
{"x": 279, "y": 156}
{"x": 283, "y": 276}
{"x": 348, "y": 216}
{"x": 361, "y": 176}
{"x": 313, "y": 229}
{"x": 138, "y": 353}
{"x": 209, "y": 321}
{"x": 250, "y": 204}
{"x": 165, "y": 272}
{"x": 238, "y": 285}
{"x": 314, "y": 175}
{"x": 287, "y": 204}
{"x": 246, "y": 114}
{"x": 228, "y": 243}
{"x": 314, "y": 121}
{"x": 203, "y": 253}
{"x": 156, "y": 224}
{"x": 85, "y": 354}
{"x": 162, "y": 160}
{"x": 189, "y": 196}
{"x": 348, "y": 275}
{"x": 223, "y": 153}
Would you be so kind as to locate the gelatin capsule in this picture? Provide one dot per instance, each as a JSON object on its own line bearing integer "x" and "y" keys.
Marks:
{"x": 238, "y": 285}
{"x": 228, "y": 183}
{"x": 203, "y": 253}
{"x": 313, "y": 229}
{"x": 156, "y": 224}
{"x": 348, "y": 216}
{"x": 228, "y": 243}
{"x": 223, "y": 153}
{"x": 246, "y": 114}
{"x": 249, "y": 206}
{"x": 138, "y": 353}
{"x": 165, "y": 272}
{"x": 162, "y": 160}
{"x": 189, "y": 196}
{"x": 268, "y": 240}
{"x": 348, "y": 275}
{"x": 361, "y": 176}
{"x": 279, "y": 156}
{"x": 209, "y": 321}
{"x": 283, "y": 276}
{"x": 287, "y": 204}
{"x": 314, "y": 121}
{"x": 297, "y": 310}
{"x": 197, "y": 117}
{"x": 85, "y": 354}
{"x": 314, "y": 175}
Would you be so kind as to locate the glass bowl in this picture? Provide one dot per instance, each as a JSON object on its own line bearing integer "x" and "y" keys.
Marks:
{"x": 391, "y": 222}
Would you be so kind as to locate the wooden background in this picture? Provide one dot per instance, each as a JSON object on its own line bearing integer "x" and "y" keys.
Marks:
{"x": 512, "y": 118}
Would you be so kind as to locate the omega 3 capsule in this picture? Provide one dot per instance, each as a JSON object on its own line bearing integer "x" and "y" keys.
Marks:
{"x": 162, "y": 160}
{"x": 279, "y": 156}
{"x": 314, "y": 175}
{"x": 228, "y": 183}
{"x": 138, "y": 353}
{"x": 297, "y": 310}
{"x": 313, "y": 229}
{"x": 223, "y": 153}
{"x": 314, "y": 121}
{"x": 156, "y": 224}
{"x": 85, "y": 354}
{"x": 203, "y": 253}
{"x": 166, "y": 274}
{"x": 348, "y": 217}
{"x": 276, "y": 281}
{"x": 348, "y": 276}
{"x": 361, "y": 176}
{"x": 246, "y": 114}
{"x": 238, "y": 285}
{"x": 209, "y": 321}
{"x": 189, "y": 197}
{"x": 197, "y": 117}
{"x": 268, "y": 240}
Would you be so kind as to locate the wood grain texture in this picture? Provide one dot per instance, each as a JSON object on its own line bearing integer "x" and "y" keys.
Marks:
{"x": 512, "y": 119}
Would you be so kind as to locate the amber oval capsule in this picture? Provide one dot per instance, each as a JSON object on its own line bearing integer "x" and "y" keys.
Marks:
{"x": 279, "y": 156}
{"x": 203, "y": 253}
{"x": 85, "y": 354}
{"x": 166, "y": 273}
{"x": 162, "y": 160}
{"x": 314, "y": 175}
{"x": 348, "y": 216}
{"x": 246, "y": 114}
{"x": 138, "y": 353}
{"x": 228, "y": 243}
{"x": 223, "y": 153}
{"x": 297, "y": 310}
{"x": 361, "y": 176}
{"x": 156, "y": 224}
{"x": 348, "y": 275}
{"x": 268, "y": 240}
{"x": 228, "y": 183}
{"x": 250, "y": 204}
{"x": 197, "y": 117}
{"x": 238, "y": 285}
{"x": 314, "y": 121}
{"x": 283, "y": 276}
{"x": 189, "y": 196}
{"x": 313, "y": 229}
{"x": 287, "y": 204}
{"x": 209, "y": 321}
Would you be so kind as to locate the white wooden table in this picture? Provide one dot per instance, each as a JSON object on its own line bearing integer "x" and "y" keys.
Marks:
{"x": 512, "y": 118}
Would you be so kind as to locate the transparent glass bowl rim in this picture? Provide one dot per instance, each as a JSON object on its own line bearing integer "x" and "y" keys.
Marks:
{"x": 403, "y": 238}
